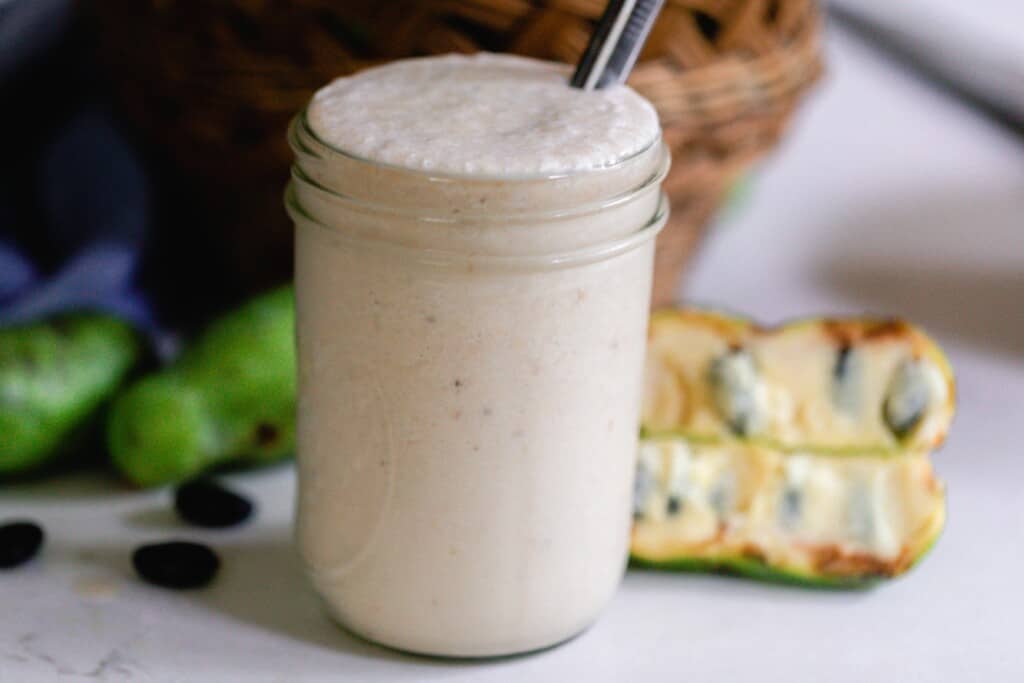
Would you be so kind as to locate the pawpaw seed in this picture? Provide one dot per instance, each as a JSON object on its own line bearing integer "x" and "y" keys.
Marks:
{"x": 792, "y": 504}
{"x": 205, "y": 503}
{"x": 19, "y": 542}
{"x": 842, "y": 365}
{"x": 176, "y": 564}
{"x": 734, "y": 377}
{"x": 674, "y": 505}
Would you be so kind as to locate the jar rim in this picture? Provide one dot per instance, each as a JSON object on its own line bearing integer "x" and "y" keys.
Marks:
{"x": 301, "y": 177}
{"x": 447, "y": 258}
{"x": 301, "y": 119}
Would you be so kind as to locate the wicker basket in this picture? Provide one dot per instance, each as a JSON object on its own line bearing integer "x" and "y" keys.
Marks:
{"x": 212, "y": 86}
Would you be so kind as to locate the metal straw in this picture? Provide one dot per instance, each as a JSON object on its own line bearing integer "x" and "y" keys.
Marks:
{"x": 616, "y": 43}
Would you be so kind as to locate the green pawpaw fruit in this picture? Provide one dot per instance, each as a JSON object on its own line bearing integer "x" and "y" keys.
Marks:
{"x": 229, "y": 398}
{"x": 55, "y": 376}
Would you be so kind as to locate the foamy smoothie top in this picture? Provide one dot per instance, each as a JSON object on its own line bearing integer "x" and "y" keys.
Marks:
{"x": 486, "y": 114}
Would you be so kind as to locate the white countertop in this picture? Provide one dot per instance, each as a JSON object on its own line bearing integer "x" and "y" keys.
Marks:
{"x": 890, "y": 198}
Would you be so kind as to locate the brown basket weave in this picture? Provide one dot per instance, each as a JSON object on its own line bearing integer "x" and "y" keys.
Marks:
{"x": 213, "y": 84}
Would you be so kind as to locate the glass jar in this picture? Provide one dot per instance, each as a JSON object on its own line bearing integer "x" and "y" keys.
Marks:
{"x": 470, "y": 359}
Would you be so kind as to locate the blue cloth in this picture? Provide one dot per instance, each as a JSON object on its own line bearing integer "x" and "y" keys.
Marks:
{"x": 98, "y": 277}
{"x": 73, "y": 237}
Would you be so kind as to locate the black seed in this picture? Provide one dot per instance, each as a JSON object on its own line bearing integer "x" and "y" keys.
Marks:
{"x": 907, "y": 398}
{"x": 860, "y": 517}
{"x": 842, "y": 365}
{"x": 708, "y": 25}
{"x": 674, "y": 505}
{"x": 643, "y": 486}
{"x": 722, "y": 494}
{"x": 719, "y": 501}
{"x": 19, "y": 543}
{"x": 847, "y": 376}
{"x": 176, "y": 564}
{"x": 208, "y": 504}
{"x": 733, "y": 378}
{"x": 792, "y": 502}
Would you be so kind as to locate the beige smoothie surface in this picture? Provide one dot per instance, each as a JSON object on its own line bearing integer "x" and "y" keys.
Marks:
{"x": 485, "y": 114}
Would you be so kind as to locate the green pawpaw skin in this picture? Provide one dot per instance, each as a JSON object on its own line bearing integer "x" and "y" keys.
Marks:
{"x": 56, "y": 377}
{"x": 228, "y": 400}
{"x": 757, "y": 570}
{"x": 760, "y": 570}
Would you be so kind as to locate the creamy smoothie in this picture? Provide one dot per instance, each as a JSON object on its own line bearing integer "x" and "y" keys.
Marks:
{"x": 474, "y": 244}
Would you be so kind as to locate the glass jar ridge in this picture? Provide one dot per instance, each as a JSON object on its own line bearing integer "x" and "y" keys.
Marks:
{"x": 561, "y": 218}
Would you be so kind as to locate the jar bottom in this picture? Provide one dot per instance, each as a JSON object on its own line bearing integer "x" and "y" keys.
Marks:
{"x": 457, "y": 654}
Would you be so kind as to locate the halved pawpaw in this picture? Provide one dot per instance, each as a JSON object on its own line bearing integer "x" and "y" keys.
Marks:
{"x": 799, "y": 453}
{"x": 819, "y": 519}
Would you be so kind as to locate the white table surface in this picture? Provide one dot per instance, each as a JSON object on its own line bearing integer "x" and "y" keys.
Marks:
{"x": 889, "y": 197}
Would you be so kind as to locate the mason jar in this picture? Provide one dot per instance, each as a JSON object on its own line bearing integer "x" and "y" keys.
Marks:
{"x": 470, "y": 358}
